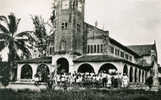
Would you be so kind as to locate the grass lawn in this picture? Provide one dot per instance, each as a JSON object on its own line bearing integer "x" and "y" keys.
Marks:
{"x": 96, "y": 94}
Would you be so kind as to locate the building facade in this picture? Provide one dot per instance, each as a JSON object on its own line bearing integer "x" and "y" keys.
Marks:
{"x": 78, "y": 46}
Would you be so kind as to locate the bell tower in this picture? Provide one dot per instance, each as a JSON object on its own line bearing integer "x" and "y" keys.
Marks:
{"x": 69, "y": 21}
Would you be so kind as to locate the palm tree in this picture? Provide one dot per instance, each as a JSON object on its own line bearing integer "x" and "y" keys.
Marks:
{"x": 13, "y": 40}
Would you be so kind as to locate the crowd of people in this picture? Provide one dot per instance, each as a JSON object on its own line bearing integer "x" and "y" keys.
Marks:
{"x": 91, "y": 80}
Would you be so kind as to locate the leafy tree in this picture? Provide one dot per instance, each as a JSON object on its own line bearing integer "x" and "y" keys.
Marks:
{"x": 16, "y": 42}
{"x": 41, "y": 34}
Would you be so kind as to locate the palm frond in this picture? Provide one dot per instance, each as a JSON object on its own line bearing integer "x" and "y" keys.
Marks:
{"x": 28, "y": 34}
{"x": 18, "y": 21}
{"x": 4, "y": 36}
{"x": 4, "y": 18}
{"x": 31, "y": 38}
{"x": 40, "y": 30}
{"x": 22, "y": 46}
{"x": 3, "y": 29}
{"x": 29, "y": 45}
{"x": 12, "y": 23}
{"x": 2, "y": 45}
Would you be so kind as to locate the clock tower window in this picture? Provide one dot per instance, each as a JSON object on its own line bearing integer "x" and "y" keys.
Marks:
{"x": 64, "y": 25}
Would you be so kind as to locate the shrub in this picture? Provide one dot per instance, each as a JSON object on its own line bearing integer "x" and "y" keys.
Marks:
{"x": 88, "y": 94}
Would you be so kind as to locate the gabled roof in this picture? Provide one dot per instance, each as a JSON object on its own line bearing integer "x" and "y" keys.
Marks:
{"x": 142, "y": 50}
{"x": 92, "y": 26}
{"x": 36, "y": 60}
{"x": 113, "y": 41}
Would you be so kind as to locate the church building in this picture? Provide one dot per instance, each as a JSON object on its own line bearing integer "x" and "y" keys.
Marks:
{"x": 77, "y": 46}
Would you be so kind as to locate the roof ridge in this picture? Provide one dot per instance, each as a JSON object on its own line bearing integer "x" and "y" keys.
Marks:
{"x": 96, "y": 27}
{"x": 140, "y": 45}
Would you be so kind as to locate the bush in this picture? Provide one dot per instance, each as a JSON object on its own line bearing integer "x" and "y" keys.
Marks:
{"x": 5, "y": 82}
{"x": 80, "y": 95}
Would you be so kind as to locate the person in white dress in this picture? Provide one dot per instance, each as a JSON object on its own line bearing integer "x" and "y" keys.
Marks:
{"x": 109, "y": 81}
{"x": 125, "y": 81}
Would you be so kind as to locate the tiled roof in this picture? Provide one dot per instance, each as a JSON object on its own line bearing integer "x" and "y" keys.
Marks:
{"x": 113, "y": 41}
{"x": 142, "y": 50}
{"x": 96, "y": 58}
{"x": 106, "y": 58}
{"x": 37, "y": 60}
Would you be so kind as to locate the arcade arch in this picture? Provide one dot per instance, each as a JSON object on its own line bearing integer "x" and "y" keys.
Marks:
{"x": 43, "y": 72}
{"x": 26, "y": 72}
{"x": 107, "y": 68}
{"x": 86, "y": 68}
{"x": 62, "y": 65}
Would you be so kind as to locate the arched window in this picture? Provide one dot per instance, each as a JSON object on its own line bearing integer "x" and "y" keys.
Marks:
{"x": 88, "y": 49}
{"x": 95, "y": 48}
{"x": 92, "y": 49}
{"x": 26, "y": 72}
{"x": 101, "y": 48}
{"x": 98, "y": 49}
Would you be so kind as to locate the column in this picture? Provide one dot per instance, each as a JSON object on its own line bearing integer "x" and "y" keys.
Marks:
{"x": 34, "y": 70}
{"x": 141, "y": 76}
{"x": 19, "y": 72}
{"x": 137, "y": 75}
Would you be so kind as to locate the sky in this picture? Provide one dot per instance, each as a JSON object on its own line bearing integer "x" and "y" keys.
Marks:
{"x": 129, "y": 21}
